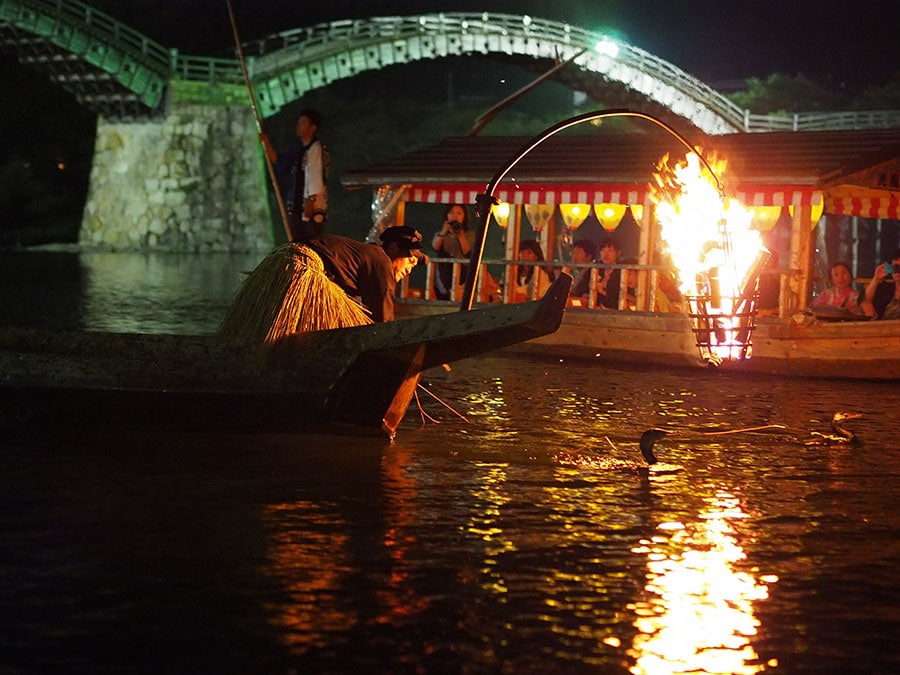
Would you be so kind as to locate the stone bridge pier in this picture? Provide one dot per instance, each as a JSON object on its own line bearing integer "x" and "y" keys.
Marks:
{"x": 192, "y": 180}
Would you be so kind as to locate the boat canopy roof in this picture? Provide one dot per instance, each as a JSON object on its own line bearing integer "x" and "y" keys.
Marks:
{"x": 763, "y": 169}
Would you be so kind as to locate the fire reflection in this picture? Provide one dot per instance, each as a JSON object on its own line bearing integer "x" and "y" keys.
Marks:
{"x": 484, "y": 523}
{"x": 399, "y": 601}
{"x": 307, "y": 556}
{"x": 316, "y": 552}
{"x": 698, "y": 615}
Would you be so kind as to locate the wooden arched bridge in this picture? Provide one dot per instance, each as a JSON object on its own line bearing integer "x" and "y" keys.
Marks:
{"x": 122, "y": 74}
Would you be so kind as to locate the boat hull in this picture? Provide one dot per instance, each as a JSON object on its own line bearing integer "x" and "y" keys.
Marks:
{"x": 828, "y": 349}
{"x": 357, "y": 379}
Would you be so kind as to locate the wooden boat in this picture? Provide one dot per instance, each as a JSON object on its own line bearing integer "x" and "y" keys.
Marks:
{"x": 808, "y": 348}
{"x": 833, "y": 349}
{"x": 358, "y": 380}
{"x": 851, "y": 350}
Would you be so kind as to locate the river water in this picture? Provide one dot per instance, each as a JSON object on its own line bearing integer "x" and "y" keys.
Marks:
{"x": 525, "y": 534}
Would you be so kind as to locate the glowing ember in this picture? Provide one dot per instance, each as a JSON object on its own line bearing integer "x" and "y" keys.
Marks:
{"x": 710, "y": 242}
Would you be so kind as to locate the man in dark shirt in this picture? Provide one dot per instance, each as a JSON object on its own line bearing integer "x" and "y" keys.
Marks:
{"x": 368, "y": 270}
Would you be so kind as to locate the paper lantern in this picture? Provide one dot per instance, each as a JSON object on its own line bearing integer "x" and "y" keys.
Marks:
{"x": 637, "y": 212}
{"x": 610, "y": 215}
{"x": 574, "y": 214}
{"x": 818, "y": 205}
{"x": 539, "y": 215}
{"x": 501, "y": 214}
{"x": 765, "y": 217}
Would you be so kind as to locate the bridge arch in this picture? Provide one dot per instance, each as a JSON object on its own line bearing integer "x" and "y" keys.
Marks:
{"x": 109, "y": 67}
{"x": 122, "y": 74}
{"x": 289, "y": 64}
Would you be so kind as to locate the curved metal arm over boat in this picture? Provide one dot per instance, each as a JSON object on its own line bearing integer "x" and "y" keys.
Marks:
{"x": 484, "y": 202}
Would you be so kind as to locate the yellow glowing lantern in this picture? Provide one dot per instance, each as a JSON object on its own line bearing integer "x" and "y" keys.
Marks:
{"x": 765, "y": 217}
{"x": 610, "y": 215}
{"x": 539, "y": 215}
{"x": 501, "y": 214}
{"x": 637, "y": 212}
{"x": 574, "y": 214}
{"x": 818, "y": 205}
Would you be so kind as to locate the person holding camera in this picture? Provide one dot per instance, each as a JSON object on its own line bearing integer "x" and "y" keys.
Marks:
{"x": 882, "y": 298}
{"x": 454, "y": 240}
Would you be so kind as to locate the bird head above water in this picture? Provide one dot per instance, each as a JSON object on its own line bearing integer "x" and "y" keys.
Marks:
{"x": 837, "y": 421}
{"x": 840, "y": 435}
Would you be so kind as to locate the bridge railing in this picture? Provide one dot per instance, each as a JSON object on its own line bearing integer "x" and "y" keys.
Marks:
{"x": 57, "y": 18}
{"x": 849, "y": 120}
{"x": 205, "y": 69}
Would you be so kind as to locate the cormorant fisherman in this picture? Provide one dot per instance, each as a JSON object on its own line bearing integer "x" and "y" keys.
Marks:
{"x": 368, "y": 271}
{"x": 310, "y": 286}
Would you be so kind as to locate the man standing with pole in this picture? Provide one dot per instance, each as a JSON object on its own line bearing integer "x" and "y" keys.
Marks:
{"x": 307, "y": 161}
{"x": 307, "y": 216}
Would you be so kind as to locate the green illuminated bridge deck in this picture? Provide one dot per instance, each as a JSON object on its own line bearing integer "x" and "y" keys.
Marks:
{"x": 122, "y": 74}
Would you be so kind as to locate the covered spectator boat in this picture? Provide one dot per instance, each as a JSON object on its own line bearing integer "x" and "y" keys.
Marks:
{"x": 814, "y": 198}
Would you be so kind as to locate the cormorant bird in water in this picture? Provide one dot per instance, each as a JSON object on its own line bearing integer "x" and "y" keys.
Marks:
{"x": 841, "y": 435}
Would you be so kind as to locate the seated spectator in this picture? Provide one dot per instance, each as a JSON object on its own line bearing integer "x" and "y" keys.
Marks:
{"x": 842, "y": 294}
{"x": 528, "y": 276}
{"x": 668, "y": 297}
{"x": 882, "y": 298}
{"x": 609, "y": 279}
{"x": 583, "y": 251}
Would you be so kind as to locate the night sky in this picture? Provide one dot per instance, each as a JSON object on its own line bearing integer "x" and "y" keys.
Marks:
{"x": 839, "y": 43}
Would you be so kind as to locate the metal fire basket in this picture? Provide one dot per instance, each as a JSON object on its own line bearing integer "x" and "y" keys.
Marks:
{"x": 723, "y": 335}
{"x": 723, "y": 327}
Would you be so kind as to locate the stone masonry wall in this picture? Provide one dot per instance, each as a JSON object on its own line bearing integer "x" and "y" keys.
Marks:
{"x": 192, "y": 182}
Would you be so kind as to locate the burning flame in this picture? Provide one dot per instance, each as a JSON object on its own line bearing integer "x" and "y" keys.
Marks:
{"x": 702, "y": 231}
{"x": 709, "y": 239}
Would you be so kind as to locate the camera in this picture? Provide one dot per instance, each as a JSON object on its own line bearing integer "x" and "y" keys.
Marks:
{"x": 455, "y": 225}
{"x": 888, "y": 268}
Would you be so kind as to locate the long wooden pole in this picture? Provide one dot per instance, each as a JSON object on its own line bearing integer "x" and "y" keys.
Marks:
{"x": 515, "y": 96}
{"x": 269, "y": 165}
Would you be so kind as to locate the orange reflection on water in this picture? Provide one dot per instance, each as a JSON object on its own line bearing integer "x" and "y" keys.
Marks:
{"x": 491, "y": 494}
{"x": 307, "y": 557}
{"x": 399, "y": 600}
{"x": 698, "y": 616}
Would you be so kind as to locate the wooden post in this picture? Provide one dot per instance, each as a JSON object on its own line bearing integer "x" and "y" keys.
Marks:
{"x": 646, "y": 246}
{"x": 801, "y": 255}
{"x": 511, "y": 252}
